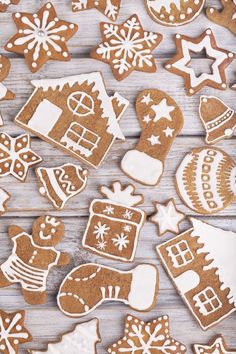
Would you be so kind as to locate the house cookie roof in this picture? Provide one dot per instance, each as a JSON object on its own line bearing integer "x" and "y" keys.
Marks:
{"x": 91, "y": 78}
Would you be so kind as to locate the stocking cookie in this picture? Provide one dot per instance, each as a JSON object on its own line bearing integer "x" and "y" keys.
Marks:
{"x": 13, "y": 332}
{"x": 161, "y": 120}
{"x": 127, "y": 47}
{"x": 89, "y": 285}
{"x": 4, "y": 197}
{"x": 201, "y": 263}
{"x": 41, "y": 37}
{"x": 76, "y": 114}
{"x": 179, "y": 64}
{"x": 225, "y": 17}
{"x": 5, "y": 3}
{"x": 218, "y": 119}
{"x": 82, "y": 340}
{"x": 59, "y": 184}
{"x": 217, "y": 346}
{"x": 109, "y": 8}
{"x": 16, "y": 156}
{"x": 5, "y": 66}
{"x": 32, "y": 258}
{"x": 167, "y": 217}
{"x": 147, "y": 337}
{"x": 174, "y": 12}
{"x": 206, "y": 180}
{"x": 114, "y": 224}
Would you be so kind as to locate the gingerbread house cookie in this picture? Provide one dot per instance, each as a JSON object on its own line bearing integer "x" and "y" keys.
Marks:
{"x": 75, "y": 114}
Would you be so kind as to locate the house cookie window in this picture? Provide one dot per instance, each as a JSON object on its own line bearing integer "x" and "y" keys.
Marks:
{"x": 80, "y": 103}
{"x": 180, "y": 254}
{"x": 207, "y": 301}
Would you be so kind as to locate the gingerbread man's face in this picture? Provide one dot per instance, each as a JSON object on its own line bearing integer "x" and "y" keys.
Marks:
{"x": 47, "y": 231}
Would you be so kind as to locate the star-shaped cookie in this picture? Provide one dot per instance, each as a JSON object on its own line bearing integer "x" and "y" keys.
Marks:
{"x": 147, "y": 337}
{"x": 179, "y": 64}
{"x": 12, "y": 332}
{"x": 127, "y": 47}
{"x": 167, "y": 217}
{"x": 5, "y": 66}
{"x": 109, "y": 8}
{"x": 41, "y": 37}
{"x": 217, "y": 346}
{"x": 16, "y": 156}
{"x": 5, "y": 3}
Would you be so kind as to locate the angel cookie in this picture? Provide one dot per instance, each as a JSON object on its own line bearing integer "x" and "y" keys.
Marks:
{"x": 5, "y": 66}
{"x": 174, "y": 12}
{"x": 161, "y": 120}
{"x": 179, "y": 64}
{"x": 109, "y": 8}
{"x": 127, "y": 47}
{"x": 114, "y": 223}
{"x": 226, "y": 17}
{"x": 32, "y": 258}
{"x": 41, "y": 37}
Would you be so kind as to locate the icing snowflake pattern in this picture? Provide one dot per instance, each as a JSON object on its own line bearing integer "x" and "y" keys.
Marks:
{"x": 109, "y": 210}
{"x": 127, "y": 47}
{"x": 127, "y": 214}
{"x": 101, "y": 230}
{"x": 101, "y": 245}
{"x": 16, "y": 156}
{"x": 120, "y": 241}
{"x": 41, "y": 37}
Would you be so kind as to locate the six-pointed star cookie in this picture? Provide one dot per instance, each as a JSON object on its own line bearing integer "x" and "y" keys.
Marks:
{"x": 12, "y": 332}
{"x": 217, "y": 346}
{"x": 167, "y": 217}
{"x": 147, "y": 337}
{"x": 179, "y": 64}
{"x": 109, "y": 8}
{"x": 16, "y": 156}
{"x": 5, "y": 3}
{"x": 41, "y": 37}
{"x": 127, "y": 47}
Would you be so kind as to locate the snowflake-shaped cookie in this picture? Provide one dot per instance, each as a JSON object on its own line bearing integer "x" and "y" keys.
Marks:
{"x": 147, "y": 337}
{"x": 5, "y": 3}
{"x": 41, "y": 37}
{"x": 179, "y": 64}
{"x": 127, "y": 47}
{"x": 109, "y": 8}
{"x": 16, "y": 156}
{"x": 12, "y": 332}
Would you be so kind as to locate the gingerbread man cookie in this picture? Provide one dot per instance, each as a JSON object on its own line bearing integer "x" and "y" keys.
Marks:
{"x": 109, "y": 8}
{"x": 179, "y": 64}
{"x": 5, "y": 66}
{"x": 32, "y": 258}
{"x": 226, "y": 17}
{"x": 127, "y": 47}
{"x": 161, "y": 120}
{"x": 41, "y": 37}
{"x": 174, "y": 12}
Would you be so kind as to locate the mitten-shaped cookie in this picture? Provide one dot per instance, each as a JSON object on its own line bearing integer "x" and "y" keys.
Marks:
{"x": 161, "y": 120}
{"x": 5, "y": 66}
{"x": 32, "y": 258}
{"x": 89, "y": 285}
{"x": 225, "y": 17}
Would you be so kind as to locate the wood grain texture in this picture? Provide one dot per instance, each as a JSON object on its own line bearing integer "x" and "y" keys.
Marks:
{"x": 46, "y": 322}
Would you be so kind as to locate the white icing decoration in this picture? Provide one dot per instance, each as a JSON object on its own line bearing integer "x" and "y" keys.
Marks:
{"x": 187, "y": 281}
{"x": 3, "y": 91}
{"x": 154, "y": 140}
{"x": 121, "y": 241}
{"x": 162, "y": 110}
{"x": 168, "y": 132}
{"x": 1, "y": 121}
{"x": 121, "y": 195}
{"x": 158, "y": 4}
{"x": 101, "y": 230}
{"x": 218, "y": 347}
{"x": 111, "y": 10}
{"x": 4, "y": 196}
{"x": 82, "y": 340}
{"x": 147, "y": 99}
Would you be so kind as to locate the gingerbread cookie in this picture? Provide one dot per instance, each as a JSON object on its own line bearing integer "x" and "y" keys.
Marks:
{"x": 4, "y": 197}
{"x": 161, "y": 120}
{"x": 5, "y": 3}
{"x": 179, "y": 64}
{"x": 226, "y": 17}
{"x": 127, "y": 47}
{"x": 5, "y": 66}
{"x": 147, "y": 337}
{"x": 218, "y": 119}
{"x": 16, "y": 156}
{"x": 206, "y": 180}
{"x": 75, "y": 114}
{"x": 233, "y": 87}
{"x": 13, "y": 332}
{"x": 82, "y": 340}
{"x": 174, "y": 12}
{"x": 41, "y": 37}
{"x": 217, "y": 346}
{"x": 1, "y": 121}
{"x": 32, "y": 258}
{"x": 201, "y": 263}
{"x": 61, "y": 183}
{"x": 167, "y": 217}
{"x": 109, "y": 8}
{"x": 89, "y": 285}
{"x": 114, "y": 224}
